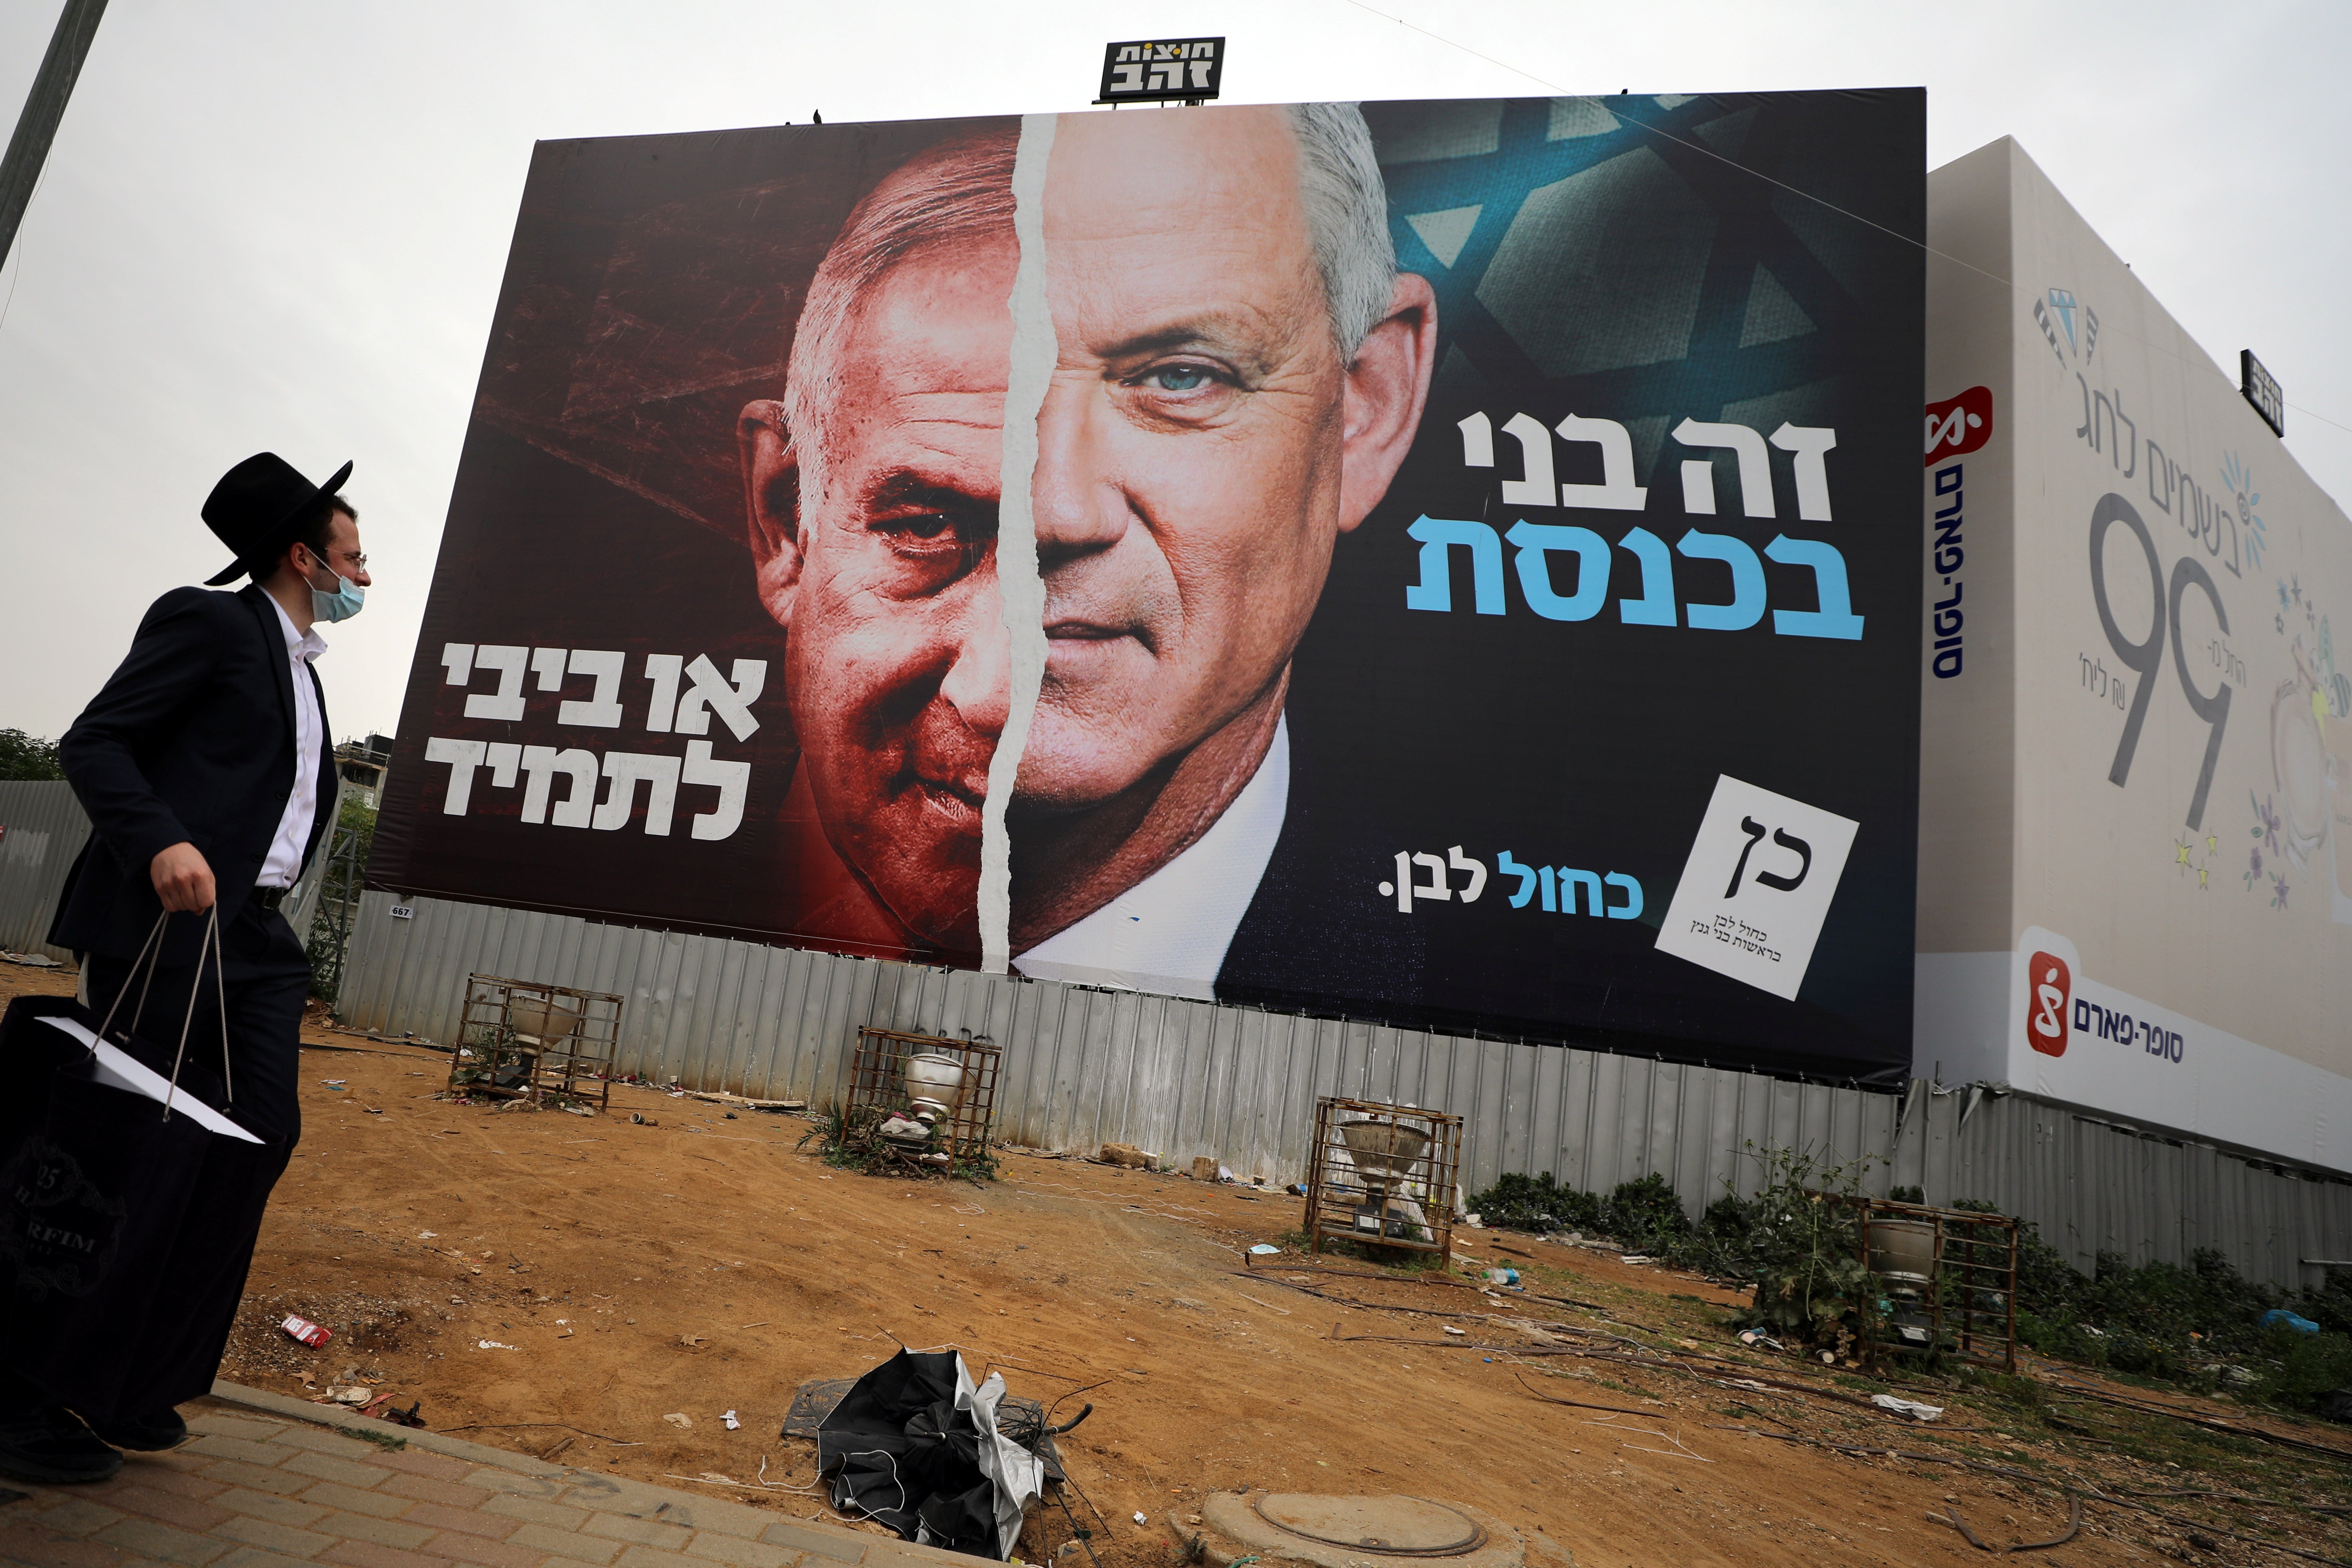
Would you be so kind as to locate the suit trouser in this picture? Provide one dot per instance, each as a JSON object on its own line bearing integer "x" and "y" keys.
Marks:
{"x": 267, "y": 980}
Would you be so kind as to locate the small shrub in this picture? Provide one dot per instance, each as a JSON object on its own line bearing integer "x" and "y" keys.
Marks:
{"x": 1803, "y": 1250}
{"x": 1646, "y": 1215}
{"x": 1537, "y": 1203}
{"x": 852, "y": 1141}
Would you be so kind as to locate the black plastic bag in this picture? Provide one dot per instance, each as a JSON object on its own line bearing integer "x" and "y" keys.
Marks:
{"x": 898, "y": 1450}
{"x": 126, "y": 1227}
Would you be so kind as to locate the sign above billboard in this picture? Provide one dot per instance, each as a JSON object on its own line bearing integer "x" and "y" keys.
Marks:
{"x": 2258, "y": 387}
{"x": 1163, "y": 70}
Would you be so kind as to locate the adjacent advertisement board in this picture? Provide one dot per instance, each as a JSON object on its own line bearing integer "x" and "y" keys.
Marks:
{"x": 1441, "y": 564}
{"x": 2136, "y": 887}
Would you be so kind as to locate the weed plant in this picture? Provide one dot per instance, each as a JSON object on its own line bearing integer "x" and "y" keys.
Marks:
{"x": 852, "y": 1141}
{"x": 2197, "y": 1324}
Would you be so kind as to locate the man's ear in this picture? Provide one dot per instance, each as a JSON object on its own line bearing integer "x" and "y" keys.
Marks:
{"x": 1387, "y": 388}
{"x": 771, "y": 503}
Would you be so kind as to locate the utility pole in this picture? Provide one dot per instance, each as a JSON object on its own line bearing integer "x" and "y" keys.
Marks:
{"x": 44, "y": 107}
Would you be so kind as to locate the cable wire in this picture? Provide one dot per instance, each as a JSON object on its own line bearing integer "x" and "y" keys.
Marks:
{"x": 1615, "y": 106}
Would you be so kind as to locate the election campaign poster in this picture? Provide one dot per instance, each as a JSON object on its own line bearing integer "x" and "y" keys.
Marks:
{"x": 1441, "y": 564}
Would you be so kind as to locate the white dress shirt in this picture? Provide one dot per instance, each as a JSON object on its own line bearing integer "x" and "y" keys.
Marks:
{"x": 302, "y": 806}
{"x": 1168, "y": 932}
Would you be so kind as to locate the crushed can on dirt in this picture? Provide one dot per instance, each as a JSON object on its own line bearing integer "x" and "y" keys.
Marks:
{"x": 306, "y": 1331}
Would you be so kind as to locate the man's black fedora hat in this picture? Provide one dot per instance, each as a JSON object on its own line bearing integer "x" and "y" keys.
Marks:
{"x": 257, "y": 508}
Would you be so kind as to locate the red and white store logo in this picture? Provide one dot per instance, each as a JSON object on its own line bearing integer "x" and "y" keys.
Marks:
{"x": 1959, "y": 426}
{"x": 2049, "y": 988}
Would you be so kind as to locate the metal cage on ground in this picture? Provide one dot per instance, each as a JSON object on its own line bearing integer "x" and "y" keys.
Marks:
{"x": 879, "y": 1082}
{"x": 1952, "y": 1280}
{"x": 1382, "y": 1175}
{"x": 523, "y": 1039}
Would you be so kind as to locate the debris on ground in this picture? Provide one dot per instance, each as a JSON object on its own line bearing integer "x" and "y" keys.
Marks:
{"x": 1910, "y": 1408}
{"x": 915, "y": 1446}
{"x": 306, "y": 1331}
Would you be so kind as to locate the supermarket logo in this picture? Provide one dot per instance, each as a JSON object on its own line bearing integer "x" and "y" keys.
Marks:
{"x": 1960, "y": 425}
{"x": 2049, "y": 988}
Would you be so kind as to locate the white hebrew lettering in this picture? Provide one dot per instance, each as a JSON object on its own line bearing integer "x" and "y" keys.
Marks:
{"x": 1477, "y": 448}
{"x": 547, "y": 664}
{"x": 1436, "y": 891}
{"x": 1755, "y": 464}
{"x": 501, "y": 758}
{"x": 1616, "y": 492}
{"x": 463, "y": 757}
{"x": 1698, "y": 487}
{"x": 541, "y": 763}
{"x": 662, "y": 670}
{"x": 731, "y": 702}
{"x": 625, "y": 768}
{"x": 603, "y": 710}
{"x": 732, "y": 780}
{"x": 507, "y": 703}
{"x": 457, "y": 658}
{"x": 1535, "y": 448}
{"x": 1809, "y": 442}
{"x": 1477, "y": 870}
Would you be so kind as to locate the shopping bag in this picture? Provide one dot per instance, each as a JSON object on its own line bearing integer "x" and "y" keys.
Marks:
{"x": 118, "y": 1207}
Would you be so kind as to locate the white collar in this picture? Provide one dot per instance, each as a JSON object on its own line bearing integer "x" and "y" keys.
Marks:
{"x": 298, "y": 644}
{"x": 1168, "y": 932}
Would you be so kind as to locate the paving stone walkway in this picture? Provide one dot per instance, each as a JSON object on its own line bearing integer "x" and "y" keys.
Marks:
{"x": 270, "y": 1481}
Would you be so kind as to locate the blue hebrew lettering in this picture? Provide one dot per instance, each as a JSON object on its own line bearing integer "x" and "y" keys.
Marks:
{"x": 1656, "y": 605}
{"x": 1506, "y": 866}
{"x": 1551, "y": 898}
{"x": 1570, "y": 880}
{"x": 1435, "y": 589}
{"x": 1836, "y": 618}
{"x": 1747, "y": 606}
{"x": 1632, "y": 909}
{"x": 1533, "y": 539}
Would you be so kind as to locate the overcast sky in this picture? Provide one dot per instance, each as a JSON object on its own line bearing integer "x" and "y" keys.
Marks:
{"x": 281, "y": 223}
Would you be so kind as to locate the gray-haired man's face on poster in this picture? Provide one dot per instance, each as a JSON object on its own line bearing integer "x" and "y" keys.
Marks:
{"x": 1203, "y": 441}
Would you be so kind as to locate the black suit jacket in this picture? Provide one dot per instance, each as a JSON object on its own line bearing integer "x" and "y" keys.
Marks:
{"x": 1318, "y": 934}
{"x": 192, "y": 739}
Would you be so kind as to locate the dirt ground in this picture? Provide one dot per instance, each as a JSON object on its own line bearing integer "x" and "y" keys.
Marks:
{"x": 602, "y": 1291}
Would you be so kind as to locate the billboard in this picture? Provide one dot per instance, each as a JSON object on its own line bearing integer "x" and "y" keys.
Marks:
{"x": 2136, "y": 885}
{"x": 1431, "y": 563}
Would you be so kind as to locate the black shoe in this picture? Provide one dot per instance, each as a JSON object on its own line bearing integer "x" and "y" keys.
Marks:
{"x": 50, "y": 1447}
{"x": 153, "y": 1435}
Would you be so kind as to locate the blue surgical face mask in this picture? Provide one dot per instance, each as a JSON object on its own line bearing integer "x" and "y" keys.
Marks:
{"x": 341, "y": 605}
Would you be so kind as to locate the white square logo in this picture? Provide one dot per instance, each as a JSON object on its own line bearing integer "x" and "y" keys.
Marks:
{"x": 1757, "y": 886}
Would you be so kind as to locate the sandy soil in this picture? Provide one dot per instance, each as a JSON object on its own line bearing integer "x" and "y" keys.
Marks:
{"x": 627, "y": 1275}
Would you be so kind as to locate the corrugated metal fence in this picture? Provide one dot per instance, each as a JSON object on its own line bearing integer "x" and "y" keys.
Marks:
{"x": 41, "y": 830}
{"x": 1083, "y": 1067}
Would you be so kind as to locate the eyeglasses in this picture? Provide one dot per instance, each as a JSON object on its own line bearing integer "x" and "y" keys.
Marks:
{"x": 358, "y": 560}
